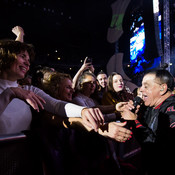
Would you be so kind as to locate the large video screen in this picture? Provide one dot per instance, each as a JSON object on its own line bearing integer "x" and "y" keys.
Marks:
{"x": 137, "y": 45}
{"x": 138, "y": 63}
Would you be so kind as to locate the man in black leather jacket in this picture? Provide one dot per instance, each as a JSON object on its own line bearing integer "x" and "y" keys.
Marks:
{"x": 155, "y": 127}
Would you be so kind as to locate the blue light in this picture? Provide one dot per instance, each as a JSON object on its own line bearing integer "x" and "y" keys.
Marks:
{"x": 137, "y": 44}
{"x": 137, "y": 48}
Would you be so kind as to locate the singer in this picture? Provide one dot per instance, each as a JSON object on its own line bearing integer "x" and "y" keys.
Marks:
{"x": 155, "y": 127}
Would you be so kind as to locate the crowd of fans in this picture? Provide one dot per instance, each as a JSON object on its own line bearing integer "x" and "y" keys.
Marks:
{"x": 84, "y": 124}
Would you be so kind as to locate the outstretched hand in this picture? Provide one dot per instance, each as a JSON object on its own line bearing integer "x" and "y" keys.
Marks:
{"x": 30, "y": 97}
{"x": 120, "y": 106}
{"x": 92, "y": 117}
{"x": 116, "y": 131}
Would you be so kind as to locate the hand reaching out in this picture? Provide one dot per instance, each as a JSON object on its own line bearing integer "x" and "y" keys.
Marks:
{"x": 112, "y": 130}
{"x": 92, "y": 117}
{"x": 127, "y": 113}
{"x": 120, "y": 106}
{"x": 116, "y": 131}
{"x": 30, "y": 97}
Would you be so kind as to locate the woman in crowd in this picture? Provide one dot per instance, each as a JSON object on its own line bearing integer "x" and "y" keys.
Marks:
{"x": 117, "y": 91}
{"x": 14, "y": 64}
{"x": 59, "y": 85}
{"x": 84, "y": 93}
{"x": 85, "y": 88}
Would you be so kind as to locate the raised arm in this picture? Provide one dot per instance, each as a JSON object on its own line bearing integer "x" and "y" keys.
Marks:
{"x": 84, "y": 67}
{"x": 19, "y": 32}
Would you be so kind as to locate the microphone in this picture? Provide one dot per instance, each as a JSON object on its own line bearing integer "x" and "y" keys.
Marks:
{"x": 113, "y": 116}
{"x": 137, "y": 101}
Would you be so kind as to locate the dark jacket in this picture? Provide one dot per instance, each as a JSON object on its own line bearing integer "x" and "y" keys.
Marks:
{"x": 155, "y": 131}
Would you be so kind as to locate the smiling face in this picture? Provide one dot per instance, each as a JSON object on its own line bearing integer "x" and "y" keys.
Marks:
{"x": 19, "y": 68}
{"x": 151, "y": 90}
{"x": 102, "y": 79}
{"x": 66, "y": 90}
{"x": 118, "y": 83}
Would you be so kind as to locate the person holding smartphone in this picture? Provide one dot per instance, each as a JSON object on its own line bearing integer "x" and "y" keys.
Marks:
{"x": 87, "y": 65}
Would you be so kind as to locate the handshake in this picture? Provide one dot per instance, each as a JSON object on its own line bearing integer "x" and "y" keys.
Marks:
{"x": 112, "y": 129}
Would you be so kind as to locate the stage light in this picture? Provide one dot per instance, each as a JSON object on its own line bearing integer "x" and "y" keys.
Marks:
{"x": 155, "y": 6}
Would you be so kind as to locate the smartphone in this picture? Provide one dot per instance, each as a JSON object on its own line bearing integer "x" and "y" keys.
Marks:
{"x": 89, "y": 60}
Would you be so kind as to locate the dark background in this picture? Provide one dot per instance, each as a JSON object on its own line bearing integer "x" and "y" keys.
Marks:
{"x": 67, "y": 29}
{"x": 72, "y": 30}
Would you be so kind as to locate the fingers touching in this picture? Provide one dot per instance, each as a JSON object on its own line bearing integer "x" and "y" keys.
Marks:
{"x": 92, "y": 117}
